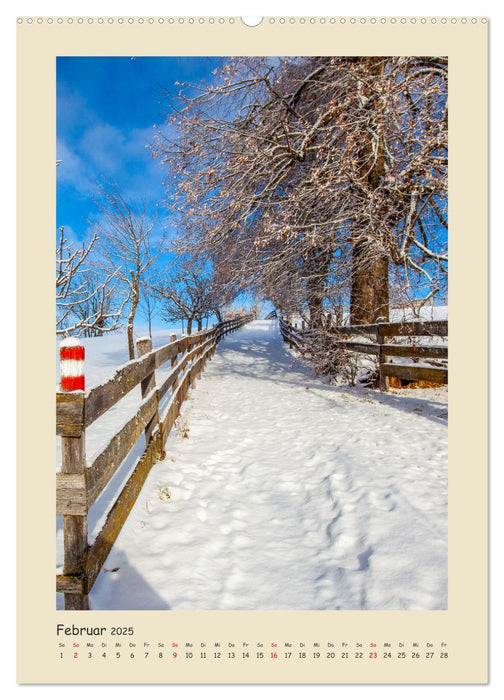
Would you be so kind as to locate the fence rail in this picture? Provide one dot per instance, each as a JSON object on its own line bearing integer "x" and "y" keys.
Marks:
{"x": 79, "y": 485}
{"x": 380, "y": 332}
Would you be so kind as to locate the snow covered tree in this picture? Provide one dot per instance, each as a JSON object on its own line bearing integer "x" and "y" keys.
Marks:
{"x": 104, "y": 307}
{"x": 316, "y": 164}
{"x": 128, "y": 245}
{"x": 186, "y": 295}
{"x": 86, "y": 302}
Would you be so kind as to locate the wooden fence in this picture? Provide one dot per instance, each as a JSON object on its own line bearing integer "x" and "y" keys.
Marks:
{"x": 78, "y": 485}
{"x": 380, "y": 333}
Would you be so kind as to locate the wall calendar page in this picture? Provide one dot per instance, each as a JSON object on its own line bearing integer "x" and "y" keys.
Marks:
{"x": 258, "y": 446}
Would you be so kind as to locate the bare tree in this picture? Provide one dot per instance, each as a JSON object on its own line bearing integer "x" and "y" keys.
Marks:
{"x": 100, "y": 312}
{"x": 149, "y": 305}
{"x": 315, "y": 166}
{"x": 128, "y": 245}
{"x": 187, "y": 295}
{"x": 85, "y": 301}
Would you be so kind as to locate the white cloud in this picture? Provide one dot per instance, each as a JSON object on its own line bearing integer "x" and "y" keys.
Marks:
{"x": 105, "y": 147}
{"x": 72, "y": 170}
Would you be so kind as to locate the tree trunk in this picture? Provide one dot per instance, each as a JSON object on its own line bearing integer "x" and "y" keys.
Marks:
{"x": 315, "y": 290}
{"x": 370, "y": 289}
{"x": 189, "y": 326}
{"x": 131, "y": 317}
{"x": 316, "y": 270}
{"x": 149, "y": 315}
{"x": 370, "y": 265}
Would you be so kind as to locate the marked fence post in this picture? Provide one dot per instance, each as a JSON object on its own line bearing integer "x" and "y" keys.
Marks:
{"x": 73, "y": 461}
{"x": 72, "y": 365}
{"x": 144, "y": 346}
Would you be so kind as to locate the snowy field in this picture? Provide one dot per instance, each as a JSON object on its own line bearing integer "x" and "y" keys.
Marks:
{"x": 280, "y": 492}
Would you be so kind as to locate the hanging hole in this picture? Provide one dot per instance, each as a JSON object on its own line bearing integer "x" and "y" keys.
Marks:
{"x": 251, "y": 21}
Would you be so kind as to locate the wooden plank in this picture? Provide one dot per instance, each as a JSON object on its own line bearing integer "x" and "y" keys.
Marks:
{"x": 292, "y": 341}
{"x": 170, "y": 380}
{"x": 194, "y": 371}
{"x": 73, "y": 455}
{"x": 416, "y": 351}
{"x": 412, "y": 372}
{"x": 167, "y": 352}
{"x": 174, "y": 374}
{"x": 117, "y": 515}
{"x": 104, "y": 396}
{"x": 69, "y": 413}
{"x": 296, "y": 338}
{"x": 183, "y": 388}
{"x": 226, "y": 327}
{"x": 73, "y": 585}
{"x": 105, "y": 465}
{"x": 148, "y": 384}
{"x": 171, "y": 414}
{"x": 364, "y": 348}
{"x": 71, "y": 495}
{"x": 426, "y": 328}
{"x": 75, "y": 544}
{"x": 198, "y": 338}
{"x": 383, "y": 380}
{"x": 365, "y": 329}
{"x": 189, "y": 356}
{"x": 173, "y": 382}
{"x": 204, "y": 350}
{"x": 184, "y": 343}
{"x": 75, "y": 549}
{"x": 175, "y": 403}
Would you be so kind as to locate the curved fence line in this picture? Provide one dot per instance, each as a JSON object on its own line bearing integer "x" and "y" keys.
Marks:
{"x": 78, "y": 486}
{"x": 300, "y": 339}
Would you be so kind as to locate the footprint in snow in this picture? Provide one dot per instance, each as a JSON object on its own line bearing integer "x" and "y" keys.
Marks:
{"x": 382, "y": 501}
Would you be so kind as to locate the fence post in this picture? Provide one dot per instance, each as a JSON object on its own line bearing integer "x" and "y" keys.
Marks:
{"x": 174, "y": 360}
{"x": 73, "y": 461}
{"x": 217, "y": 330}
{"x": 384, "y": 383}
{"x": 200, "y": 360}
{"x": 214, "y": 342}
{"x": 144, "y": 346}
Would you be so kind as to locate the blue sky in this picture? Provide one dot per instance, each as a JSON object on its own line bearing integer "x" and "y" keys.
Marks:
{"x": 107, "y": 108}
{"x": 106, "y": 111}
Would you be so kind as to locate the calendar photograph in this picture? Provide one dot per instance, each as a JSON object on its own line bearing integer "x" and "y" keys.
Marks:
{"x": 253, "y": 297}
{"x": 257, "y": 464}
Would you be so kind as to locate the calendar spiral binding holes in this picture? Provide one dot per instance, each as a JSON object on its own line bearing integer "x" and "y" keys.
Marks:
{"x": 219, "y": 21}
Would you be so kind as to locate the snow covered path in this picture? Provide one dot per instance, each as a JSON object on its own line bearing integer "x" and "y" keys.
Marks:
{"x": 287, "y": 493}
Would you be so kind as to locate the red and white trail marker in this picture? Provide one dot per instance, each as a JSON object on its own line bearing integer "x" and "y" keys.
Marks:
{"x": 72, "y": 365}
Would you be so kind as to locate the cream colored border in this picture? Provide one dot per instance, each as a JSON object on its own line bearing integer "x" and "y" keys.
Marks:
{"x": 463, "y": 627}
